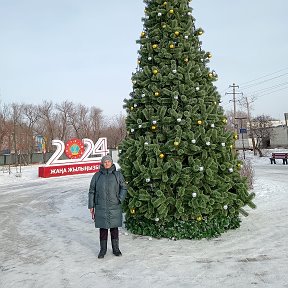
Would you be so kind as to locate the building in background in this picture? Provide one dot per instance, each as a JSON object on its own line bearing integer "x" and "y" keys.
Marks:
{"x": 279, "y": 135}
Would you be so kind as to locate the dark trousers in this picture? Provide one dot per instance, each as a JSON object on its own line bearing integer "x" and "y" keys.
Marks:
{"x": 113, "y": 232}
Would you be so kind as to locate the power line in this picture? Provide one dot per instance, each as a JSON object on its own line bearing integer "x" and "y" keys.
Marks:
{"x": 263, "y": 76}
{"x": 269, "y": 88}
{"x": 264, "y": 81}
{"x": 270, "y": 92}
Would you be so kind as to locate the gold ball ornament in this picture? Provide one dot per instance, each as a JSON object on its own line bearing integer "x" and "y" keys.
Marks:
{"x": 171, "y": 11}
{"x": 199, "y": 122}
{"x": 231, "y": 146}
{"x": 209, "y": 55}
{"x": 177, "y": 33}
{"x": 199, "y": 218}
{"x": 143, "y": 34}
{"x": 239, "y": 165}
{"x": 210, "y": 75}
{"x": 165, "y": 3}
{"x": 153, "y": 127}
{"x": 235, "y": 136}
{"x": 176, "y": 143}
{"x": 161, "y": 156}
{"x": 156, "y": 94}
{"x": 131, "y": 108}
{"x": 186, "y": 60}
{"x": 154, "y": 46}
{"x": 132, "y": 211}
{"x": 171, "y": 46}
{"x": 164, "y": 26}
{"x": 224, "y": 121}
{"x": 155, "y": 71}
{"x": 200, "y": 32}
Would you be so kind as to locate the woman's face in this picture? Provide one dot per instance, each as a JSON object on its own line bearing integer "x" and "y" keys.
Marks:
{"x": 107, "y": 164}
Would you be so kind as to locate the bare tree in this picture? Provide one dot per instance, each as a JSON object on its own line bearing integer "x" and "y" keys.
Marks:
{"x": 96, "y": 123}
{"x": 4, "y": 127}
{"x": 31, "y": 117}
{"x": 261, "y": 128}
{"x": 65, "y": 109}
{"x": 79, "y": 120}
{"x": 17, "y": 120}
{"x": 115, "y": 131}
{"x": 48, "y": 125}
{"x": 230, "y": 120}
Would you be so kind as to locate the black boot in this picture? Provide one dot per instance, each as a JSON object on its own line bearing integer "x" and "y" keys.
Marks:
{"x": 103, "y": 248}
{"x": 115, "y": 247}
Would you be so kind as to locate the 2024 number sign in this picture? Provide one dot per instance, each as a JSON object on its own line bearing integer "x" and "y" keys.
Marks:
{"x": 82, "y": 156}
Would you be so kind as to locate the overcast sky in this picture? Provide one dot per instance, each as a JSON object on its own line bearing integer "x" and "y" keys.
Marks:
{"x": 85, "y": 51}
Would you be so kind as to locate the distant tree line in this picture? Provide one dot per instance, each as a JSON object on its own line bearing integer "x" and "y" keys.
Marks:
{"x": 21, "y": 123}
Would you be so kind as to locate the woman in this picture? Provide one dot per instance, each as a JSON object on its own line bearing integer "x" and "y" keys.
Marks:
{"x": 106, "y": 193}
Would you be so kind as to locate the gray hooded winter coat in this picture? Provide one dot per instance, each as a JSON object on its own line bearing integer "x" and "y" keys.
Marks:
{"x": 106, "y": 193}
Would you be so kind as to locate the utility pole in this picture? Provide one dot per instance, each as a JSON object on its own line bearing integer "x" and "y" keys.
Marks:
{"x": 250, "y": 122}
{"x": 234, "y": 93}
{"x": 242, "y": 131}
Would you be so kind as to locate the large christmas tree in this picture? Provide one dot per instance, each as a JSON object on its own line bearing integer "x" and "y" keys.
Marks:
{"x": 182, "y": 174}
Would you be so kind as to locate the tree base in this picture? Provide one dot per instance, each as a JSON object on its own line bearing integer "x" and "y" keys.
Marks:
{"x": 179, "y": 229}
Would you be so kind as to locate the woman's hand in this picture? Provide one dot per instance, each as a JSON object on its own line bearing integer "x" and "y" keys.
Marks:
{"x": 92, "y": 213}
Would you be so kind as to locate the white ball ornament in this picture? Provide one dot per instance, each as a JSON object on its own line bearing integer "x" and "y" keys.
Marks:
{"x": 176, "y": 97}
{"x": 186, "y": 37}
{"x": 156, "y": 219}
{"x": 194, "y": 195}
{"x": 146, "y": 143}
{"x": 174, "y": 71}
{"x": 193, "y": 141}
{"x": 212, "y": 125}
{"x": 154, "y": 122}
{"x": 197, "y": 88}
{"x": 223, "y": 144}
{"x": 189, "y": 13}
{"x": 159, "y": 14}
{"x": 208, "y": 143}
{"x": 134, "y": 81}
{"x": 147, "y": 180}
{"x": 139, "y": 126}
{"x": 230, "y": 170}
{"x": 149, "y": 58}
{"x": 225, "y": 207}
{"x": 201, "y": 168}
{"x": 143, "y": 95}
{"x": 178, "y": 119}
{"x": 135, "y": 105}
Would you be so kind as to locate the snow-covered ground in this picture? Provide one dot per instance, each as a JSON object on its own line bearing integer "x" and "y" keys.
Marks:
{"x": 47, "y": 239}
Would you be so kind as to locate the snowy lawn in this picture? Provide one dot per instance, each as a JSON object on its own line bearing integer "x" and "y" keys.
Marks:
{"x": 47, "y": 239}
